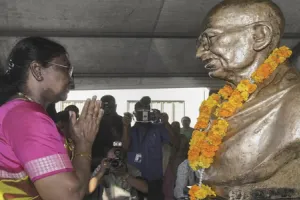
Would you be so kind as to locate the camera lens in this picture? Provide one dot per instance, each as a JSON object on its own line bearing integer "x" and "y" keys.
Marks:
{"x": 115, "y": 163}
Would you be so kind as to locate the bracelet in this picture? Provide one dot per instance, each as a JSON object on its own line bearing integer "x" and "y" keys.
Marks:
{"x": 88, "y": 155}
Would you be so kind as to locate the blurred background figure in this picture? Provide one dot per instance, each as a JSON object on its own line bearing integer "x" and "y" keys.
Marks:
{"x": 186, "y": 129}
{"x": 110, "y": 130}
{"x": 119, "y": 179}
{"x": 51, "y": 110}
{"x": 178, "y": 155}
{"x": 74, "y": 109}
{"x": 295, "y": 58}
{"x": 186, "y": 176}
{"x": 144, "y": 144}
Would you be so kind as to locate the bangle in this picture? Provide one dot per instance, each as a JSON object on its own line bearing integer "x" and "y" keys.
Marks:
{"x": 88, "y": 155}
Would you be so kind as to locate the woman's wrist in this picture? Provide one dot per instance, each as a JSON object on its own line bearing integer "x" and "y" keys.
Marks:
{"x": 83, "y": 148}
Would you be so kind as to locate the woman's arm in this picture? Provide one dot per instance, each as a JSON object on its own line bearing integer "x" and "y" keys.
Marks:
{"x": 73, "y": 185}
{"x": 82, "y": 166}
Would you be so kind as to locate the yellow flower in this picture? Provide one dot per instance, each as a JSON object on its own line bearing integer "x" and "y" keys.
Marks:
{"x": 226, "y": 110}
{"x": 246, "y": 86}
{"x": 214, "y": 139}
{"x": 220, "y": 127}
{"x": 245, "y": 95}
{"x": 204, "y": 162}
{"x": 209, "y": 191}
{"x": 200, "y": 192}
{"x": 223, "y": 123}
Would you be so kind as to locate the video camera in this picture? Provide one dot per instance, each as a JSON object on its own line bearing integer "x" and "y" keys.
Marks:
{"x": 117, "y": 162}
{"x": 145, "y": 116}
{"x": 143, "y": 112}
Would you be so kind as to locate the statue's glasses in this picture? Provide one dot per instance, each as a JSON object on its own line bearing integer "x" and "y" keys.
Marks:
{"x": 205, "y": 39}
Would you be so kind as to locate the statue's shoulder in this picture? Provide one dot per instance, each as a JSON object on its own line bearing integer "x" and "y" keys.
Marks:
{"x": 291, "y": 103}
{"x": 293, "y": 94}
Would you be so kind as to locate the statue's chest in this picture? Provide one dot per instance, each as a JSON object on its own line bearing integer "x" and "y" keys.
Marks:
{"x": 247, "y": 140}
{"x": 248, "y": 143}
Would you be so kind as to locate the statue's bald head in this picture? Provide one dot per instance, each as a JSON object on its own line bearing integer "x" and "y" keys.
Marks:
{"x": 242, "y": 12}
{"x": 239, "y": 35}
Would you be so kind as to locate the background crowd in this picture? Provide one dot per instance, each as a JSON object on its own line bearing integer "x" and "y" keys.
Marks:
{"x": 154, "y": 152}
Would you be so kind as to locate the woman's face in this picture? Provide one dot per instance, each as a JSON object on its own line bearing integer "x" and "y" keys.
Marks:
{"x": 57, "y": 79}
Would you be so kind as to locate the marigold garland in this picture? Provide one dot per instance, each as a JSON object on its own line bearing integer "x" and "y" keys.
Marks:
{"x": 211, "y": 126}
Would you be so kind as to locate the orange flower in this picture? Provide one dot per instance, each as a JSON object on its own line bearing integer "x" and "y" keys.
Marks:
{"x": 225, "y": 113}
{"x": 226, "y": 110}
{"x": 205, "y": 109}
{"x": 202, "y": 124}
{"x": 193, "y": 155}
{"x": 215, "y": 97}
{"x": 225, "y": 92}
{"x": 262, "y": 73}
{"x": 196, "y": 192}
{"x": 209, "y": 154}
{"x": 214, "y": 139}
{"x": 208, "y": 147}
{"x": 208, "y": 150}
{"x": 192, "y": 192}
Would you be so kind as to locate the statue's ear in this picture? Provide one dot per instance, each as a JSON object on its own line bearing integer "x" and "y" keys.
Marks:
{"x": 263, "y": 34}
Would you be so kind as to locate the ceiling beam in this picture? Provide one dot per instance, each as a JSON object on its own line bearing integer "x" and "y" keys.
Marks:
{"x": 141, "y": 75}
{"x": 93, "y": 83}
{"x": 95, "y": 34}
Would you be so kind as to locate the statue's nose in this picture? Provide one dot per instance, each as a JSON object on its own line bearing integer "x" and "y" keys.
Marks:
{"x": 200, "y": 52}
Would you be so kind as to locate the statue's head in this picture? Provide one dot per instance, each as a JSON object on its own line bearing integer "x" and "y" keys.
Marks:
{"x": 238, "y": 36}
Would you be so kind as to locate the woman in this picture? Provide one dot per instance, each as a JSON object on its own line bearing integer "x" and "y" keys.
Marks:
{"x": 34, "y": 163}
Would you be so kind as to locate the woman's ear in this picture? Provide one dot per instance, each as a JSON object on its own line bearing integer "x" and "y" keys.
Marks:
{"x": 35, "y": 69}
{"x": 263, "y": 34}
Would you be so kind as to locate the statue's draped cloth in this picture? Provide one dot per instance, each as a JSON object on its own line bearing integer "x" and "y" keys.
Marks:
{"x": 263, "y": 137}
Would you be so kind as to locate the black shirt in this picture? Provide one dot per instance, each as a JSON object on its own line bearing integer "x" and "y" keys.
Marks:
{"x": 110, "y": 130}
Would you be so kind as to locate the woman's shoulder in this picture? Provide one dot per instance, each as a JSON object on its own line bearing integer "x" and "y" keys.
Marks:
{"x": 26, "y": 110}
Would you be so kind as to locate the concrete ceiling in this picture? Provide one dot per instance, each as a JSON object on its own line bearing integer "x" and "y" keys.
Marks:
{"x": 136, "y": 43}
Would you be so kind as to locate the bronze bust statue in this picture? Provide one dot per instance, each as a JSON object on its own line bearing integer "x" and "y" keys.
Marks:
{"x": 259, "y": 157}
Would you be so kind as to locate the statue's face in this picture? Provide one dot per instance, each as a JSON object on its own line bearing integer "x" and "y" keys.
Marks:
{"x": 226, "y": 45}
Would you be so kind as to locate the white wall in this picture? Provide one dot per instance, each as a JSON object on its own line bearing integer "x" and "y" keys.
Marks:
{"x": 192, "y": 97}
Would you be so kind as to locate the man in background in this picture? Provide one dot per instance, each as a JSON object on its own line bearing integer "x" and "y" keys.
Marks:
{"x": 119, "y": 179}
{"x": 111, "y": 129}
{"x": 186, "y": 129}
{"x": 144, "y": 144}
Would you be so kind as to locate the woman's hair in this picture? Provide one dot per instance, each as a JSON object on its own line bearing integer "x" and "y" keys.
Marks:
{"x": 26, "y": 51}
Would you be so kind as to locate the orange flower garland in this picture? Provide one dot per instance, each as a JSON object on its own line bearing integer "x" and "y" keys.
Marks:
{"x": 211, "y": 126}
